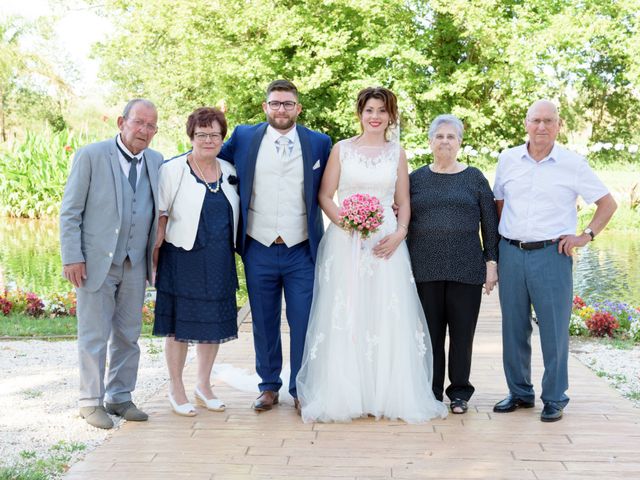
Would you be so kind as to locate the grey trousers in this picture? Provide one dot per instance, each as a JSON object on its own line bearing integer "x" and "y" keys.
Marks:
{"x": 542, "y": 279}
{"x": 111, "y": 319}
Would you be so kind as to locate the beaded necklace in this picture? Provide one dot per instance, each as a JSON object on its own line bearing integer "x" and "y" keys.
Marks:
{"x": 209, "y": 187}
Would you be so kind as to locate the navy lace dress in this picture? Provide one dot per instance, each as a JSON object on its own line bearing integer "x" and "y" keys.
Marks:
{"x": 196, "y": 289}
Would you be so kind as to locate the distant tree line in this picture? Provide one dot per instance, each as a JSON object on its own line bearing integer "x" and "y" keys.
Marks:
{"x": 483, "y": 60}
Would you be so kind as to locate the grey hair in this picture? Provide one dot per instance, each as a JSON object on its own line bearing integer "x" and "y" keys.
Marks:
{"x": 133, "y": 102}
{"x": 446, "y": 119}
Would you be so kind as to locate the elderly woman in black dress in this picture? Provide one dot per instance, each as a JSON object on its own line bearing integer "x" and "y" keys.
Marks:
{"x": 196, "y": 279}
{"x": 451, "y": 204}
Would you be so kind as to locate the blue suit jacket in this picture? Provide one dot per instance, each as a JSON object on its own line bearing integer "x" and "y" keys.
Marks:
{"x": 242, "y": 150}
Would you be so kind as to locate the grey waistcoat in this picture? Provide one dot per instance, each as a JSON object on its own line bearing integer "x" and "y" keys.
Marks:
{"x": 137, "y": 217}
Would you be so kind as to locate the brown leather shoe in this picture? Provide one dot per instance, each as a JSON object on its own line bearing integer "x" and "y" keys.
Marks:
{"x": 266, "y": 401}
{"x": 298, "y": 407}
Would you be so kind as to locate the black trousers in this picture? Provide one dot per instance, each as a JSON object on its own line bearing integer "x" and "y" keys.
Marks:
{"x": 456, "y": 306}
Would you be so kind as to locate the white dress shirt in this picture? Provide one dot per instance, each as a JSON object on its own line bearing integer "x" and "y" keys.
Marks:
{"x": 277, "y": 207}
{"x": 125, "y": 164}
{"x": 540, "y": 197}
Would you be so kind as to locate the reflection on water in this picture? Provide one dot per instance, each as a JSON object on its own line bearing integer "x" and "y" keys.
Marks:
{"x": 608, "y": 268}
{"x": 30, "y": 255}
{"x": 30, "y": 258}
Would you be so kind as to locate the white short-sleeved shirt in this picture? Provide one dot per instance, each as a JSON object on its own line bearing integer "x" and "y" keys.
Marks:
{"x": 540, "y": 197}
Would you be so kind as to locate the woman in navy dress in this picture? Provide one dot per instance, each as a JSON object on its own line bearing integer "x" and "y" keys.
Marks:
{"x": 196, "y": 275}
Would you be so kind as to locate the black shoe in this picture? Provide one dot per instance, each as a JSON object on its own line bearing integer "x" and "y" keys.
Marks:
{"x": 511, "y": 404}
{"x": 551, "y": 412}
{"x": 459, "y": 406}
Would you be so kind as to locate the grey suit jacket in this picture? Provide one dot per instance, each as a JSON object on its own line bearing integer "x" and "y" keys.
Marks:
{"x": 91, "y": 209}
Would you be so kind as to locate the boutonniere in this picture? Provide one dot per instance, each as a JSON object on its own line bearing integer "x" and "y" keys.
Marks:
{"x": 232, "y": 179}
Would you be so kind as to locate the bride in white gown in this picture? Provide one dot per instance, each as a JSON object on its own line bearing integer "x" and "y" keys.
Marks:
{"x": 367, "y": 350}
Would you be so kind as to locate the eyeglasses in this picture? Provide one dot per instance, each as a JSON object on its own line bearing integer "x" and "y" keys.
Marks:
{"x": 149, "y": 127}
{"x": 545, "y": 121}
{"x": 275, "y": 105}
{"x": 201, "y": 136}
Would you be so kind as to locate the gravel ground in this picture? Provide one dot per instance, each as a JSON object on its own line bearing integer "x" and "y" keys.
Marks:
{"x": 39, "y": 383}
{"x": 38, "y": 397}
{"x": 620, "y": 367}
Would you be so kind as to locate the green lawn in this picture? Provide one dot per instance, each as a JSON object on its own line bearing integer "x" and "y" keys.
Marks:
{"x": 20, "y": 325}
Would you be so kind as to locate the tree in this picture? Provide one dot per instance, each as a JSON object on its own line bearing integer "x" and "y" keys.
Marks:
{"x": 485, "y": 61}
{"x": 26, "y": 78}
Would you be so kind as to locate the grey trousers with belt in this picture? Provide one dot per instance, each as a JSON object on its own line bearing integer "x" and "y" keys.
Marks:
{"x": 110, "y": 320}
{"x": 541, "y": 279}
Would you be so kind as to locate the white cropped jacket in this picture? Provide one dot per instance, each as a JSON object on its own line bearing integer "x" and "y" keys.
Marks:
{"x": 181, "y": 197}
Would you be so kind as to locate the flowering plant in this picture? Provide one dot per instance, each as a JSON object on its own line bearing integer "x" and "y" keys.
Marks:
{"x": 605, "y": 318}
{"x": 601, "y": 324}
{"x": 577, "y": 325}
{"x": 35, "y": 306}
{"x": 361, "y": 213}
{"x": 5, "y": 305}
{"x": 148, "y": 312}
{"x": 578, "y": 302}
{"x": 624, "y": 313}
{"x": 60, "y": 304}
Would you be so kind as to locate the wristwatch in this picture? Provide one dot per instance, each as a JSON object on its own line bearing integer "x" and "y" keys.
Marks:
{"x": 589, "y": 232}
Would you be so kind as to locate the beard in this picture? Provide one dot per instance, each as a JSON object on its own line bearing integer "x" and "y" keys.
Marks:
{"x": 281, "y": 123}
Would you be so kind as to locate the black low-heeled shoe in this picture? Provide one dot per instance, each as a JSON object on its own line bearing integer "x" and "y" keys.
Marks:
{"x": 460, "y": 405}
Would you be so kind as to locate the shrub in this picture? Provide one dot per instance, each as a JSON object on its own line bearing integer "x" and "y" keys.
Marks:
{"x": 19, "y": 300}
{"x": 5, "y": 305}
{"x": 33, "y": 173}
{"x": 602, "y": 324}
{"x": 35, "y": 306}
{"x": 623, "y": 312}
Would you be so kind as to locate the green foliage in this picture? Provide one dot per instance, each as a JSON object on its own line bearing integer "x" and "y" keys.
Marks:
{"x": 33, "y": 173}
{"x": 52, "y": 465}
{"x": 485, "y": 61}
{"x": 22, "y": 325}
{"x": 31, "y": 90}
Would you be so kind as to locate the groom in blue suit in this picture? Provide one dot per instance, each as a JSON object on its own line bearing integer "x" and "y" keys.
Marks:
{"x": 279, "y": 165}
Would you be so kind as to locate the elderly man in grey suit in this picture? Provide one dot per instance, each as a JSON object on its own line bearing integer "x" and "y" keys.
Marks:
{"x": 108, "y": 222}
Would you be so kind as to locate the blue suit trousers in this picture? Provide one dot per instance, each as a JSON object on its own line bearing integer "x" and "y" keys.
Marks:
{"x": 541, "y": 279}
{"x": 270, "y": 271}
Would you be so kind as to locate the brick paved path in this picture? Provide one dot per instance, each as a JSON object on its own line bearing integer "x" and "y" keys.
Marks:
{"x": 599, "y": 436}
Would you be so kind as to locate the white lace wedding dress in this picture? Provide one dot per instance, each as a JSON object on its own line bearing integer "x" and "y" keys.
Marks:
{"x": 367, "y": 349}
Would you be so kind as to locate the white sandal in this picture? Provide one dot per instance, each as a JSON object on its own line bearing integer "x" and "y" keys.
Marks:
{"x": 186, "y": 409}
{"x": 214, "y": 404}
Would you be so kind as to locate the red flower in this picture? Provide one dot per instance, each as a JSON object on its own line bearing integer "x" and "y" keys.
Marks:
{"x": 68, "y": 148}
{"x": 578, "y": 302}
{"x": 5, "y": 306}
{"x": 35, "y": 306}
{"x": 601, "y": 324}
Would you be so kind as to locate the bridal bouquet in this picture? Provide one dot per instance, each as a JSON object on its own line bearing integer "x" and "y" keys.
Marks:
{"x": 361, "y": 213}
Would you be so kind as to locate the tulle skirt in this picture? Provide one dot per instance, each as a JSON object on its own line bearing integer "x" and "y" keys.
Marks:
{"x": 367, "y": 350}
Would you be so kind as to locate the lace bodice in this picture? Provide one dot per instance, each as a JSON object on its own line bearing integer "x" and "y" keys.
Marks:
{"x": 371, "y": 170}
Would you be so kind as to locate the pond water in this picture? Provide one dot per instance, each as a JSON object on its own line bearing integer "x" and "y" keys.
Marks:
{"x": 606, "y": 269}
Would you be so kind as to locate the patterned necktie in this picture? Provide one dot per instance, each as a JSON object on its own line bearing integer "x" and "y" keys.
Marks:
{"x": 133, "y": 170}
{"x": 284, "y": 146}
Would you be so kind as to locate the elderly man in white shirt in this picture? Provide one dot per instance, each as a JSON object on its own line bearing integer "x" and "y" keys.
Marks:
{"x": 536, "y": 188}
